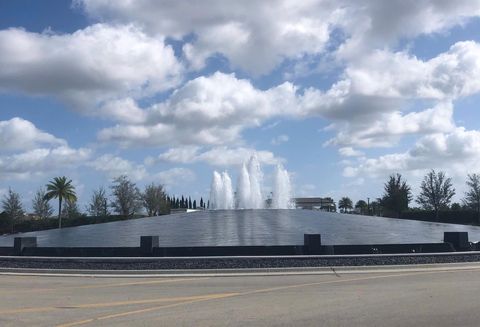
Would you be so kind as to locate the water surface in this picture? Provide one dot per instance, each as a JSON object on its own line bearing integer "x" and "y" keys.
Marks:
{"x": 248, "y": 227}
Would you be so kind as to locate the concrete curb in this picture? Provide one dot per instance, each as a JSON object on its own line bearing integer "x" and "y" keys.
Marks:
{"x": 339, "y": 256}
{"x": 448, "y": 267}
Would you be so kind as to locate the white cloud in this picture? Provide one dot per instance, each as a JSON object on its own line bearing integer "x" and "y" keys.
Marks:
{"x": 350, "y": 152}
{"x": 280, "y": 139}
{"x": 207, "y": 110}
{"x": 86, "y": 68}
{"x": 123, "y": 110}
{"x": 367, "y": 106}
{"x": 387, "y": 129}
{"x": 217, "y": 156}
{"x": 258, "y": 36}
{"x": 115, "y": 166}
{"x": 254, "y": 35}
{"x": 449, "y": 75}
{"x": 174, "y": 176}
{"x": 380, "y": 24}
{"x": 457, "y": 152}
{"x": 21, "y": 134}
{"x": 40, "y": 161}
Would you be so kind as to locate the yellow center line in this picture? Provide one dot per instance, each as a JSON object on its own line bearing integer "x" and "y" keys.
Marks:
{"x": 103, "y": 285}
{"x": 121, "y": 314}
{"x": 263, "y": 290}
{"x": 110, "y": 304}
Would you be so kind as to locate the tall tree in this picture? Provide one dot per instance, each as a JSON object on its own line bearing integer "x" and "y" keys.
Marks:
{"x": 472, "y": 196}
{"x": 455, "y": 206}
{"x": 397, "y": 194}
{"x": 201, "y": 202}
{"x": 436, "y": 191}
{"x": 345, "y": 204}
{"x": 155, "y": 200}
{"x": 12, "y": 207}
{"x": 361, "y": 205}
{"x": 62, "y": 189}
{"x": 127, "y": 198}
{"x": 41, "y": 206}
{"x": 376, "y": 207}
{"x": 98, "y": 205}
{"x": 71, "y": 210}
{"x": 194, "y": 204}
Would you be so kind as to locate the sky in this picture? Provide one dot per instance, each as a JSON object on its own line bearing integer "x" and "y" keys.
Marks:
{"x": 341, "y": 93}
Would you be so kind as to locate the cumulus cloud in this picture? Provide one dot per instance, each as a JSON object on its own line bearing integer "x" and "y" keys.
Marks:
{"x": 217, "y": 156}
{"x": 379, "y": 24}
{"x": 89, "y": 67}
{"x": 117, "y": 68}
{"x": 457, "y": 152}
{"x": 350, "y": 152}
{"x": 174, "y": 176}
{"x": 398, "y": 74}
{"x": 254, "y": 36}
{"x": 40, "y": 161}
{"x": 21, "y": 134}
{"x": 368, "y": 105}
{"x": 114, "y": 166}
{"x": 207, "y": 110}
{"x": 387, "y": 128}
{"x": 258, "y": 36}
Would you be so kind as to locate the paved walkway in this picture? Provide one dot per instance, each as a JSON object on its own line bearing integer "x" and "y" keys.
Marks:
{"x": 394, "y": 298}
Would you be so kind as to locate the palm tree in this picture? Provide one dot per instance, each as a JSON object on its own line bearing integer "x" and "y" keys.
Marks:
{"x": 345, "y": 203}
{"x": 62, "y": 189}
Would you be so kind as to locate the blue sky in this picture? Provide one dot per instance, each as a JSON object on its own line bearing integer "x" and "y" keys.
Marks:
{"x": 342, "y": 93}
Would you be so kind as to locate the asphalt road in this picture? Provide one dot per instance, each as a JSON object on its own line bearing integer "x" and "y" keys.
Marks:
{"x": 425, "y": 298}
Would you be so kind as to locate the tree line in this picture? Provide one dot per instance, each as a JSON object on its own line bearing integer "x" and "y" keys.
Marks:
{"x": 125, "y": 200}
{"x": 436, "y": 193}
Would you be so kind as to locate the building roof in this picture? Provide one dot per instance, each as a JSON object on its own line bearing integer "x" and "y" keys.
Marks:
{"x": 313, "y": 200}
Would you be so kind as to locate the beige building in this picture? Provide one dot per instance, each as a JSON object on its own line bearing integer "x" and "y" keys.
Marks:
{"x": 316, "y": 203}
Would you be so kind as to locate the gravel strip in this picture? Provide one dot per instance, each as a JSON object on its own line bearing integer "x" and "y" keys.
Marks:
{"x": 229, "y": 263}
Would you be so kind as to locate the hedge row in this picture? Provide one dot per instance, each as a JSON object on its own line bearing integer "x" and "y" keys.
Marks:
{"x": 464, "y": 217}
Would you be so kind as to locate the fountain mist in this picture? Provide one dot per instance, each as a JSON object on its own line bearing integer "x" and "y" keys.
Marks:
{"x": 221, "y": 192}
{"x": 282, "y": 190}
{"x": 249, "y": 193}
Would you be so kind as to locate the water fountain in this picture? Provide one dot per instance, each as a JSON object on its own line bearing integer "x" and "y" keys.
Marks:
{"x": 282, "y": 189}
{"x": 221, "y": 192}
{"x": 249, "y": 189}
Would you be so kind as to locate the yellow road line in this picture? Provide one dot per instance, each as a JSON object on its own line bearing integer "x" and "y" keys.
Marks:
{"x": 102, "y": 285}
{"x": 263, "y": 290}
{"x": 110, "y": 304}
{"x": 127, "y": 313}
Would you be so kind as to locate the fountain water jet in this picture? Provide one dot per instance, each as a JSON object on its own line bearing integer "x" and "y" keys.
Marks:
{"x": 243, "y": 189}
{"x": 281, "y": 194}
{"x": 249, "y": 193}
{"x": 221, "y": 191}
{"x": 256, "y": 178}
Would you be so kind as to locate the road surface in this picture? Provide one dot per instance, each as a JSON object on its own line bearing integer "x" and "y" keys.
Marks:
{"x": 403, "y": 298}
